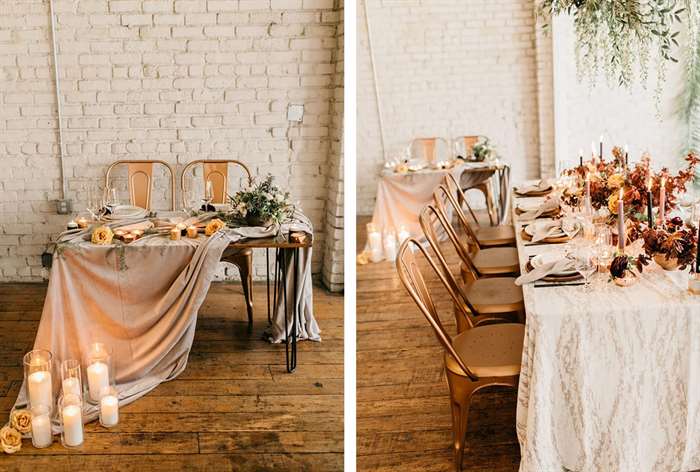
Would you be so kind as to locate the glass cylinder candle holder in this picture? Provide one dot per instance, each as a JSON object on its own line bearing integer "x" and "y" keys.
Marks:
{"x": 374, "y": 241}
{"x": 99, "y": 372}
{"x": 109, "y": 407}
{"x": 71, "y": 377}
{"x": 41, "y": 426}
{"x": 70, "y": 414}
{"x": 390, "y": 247}
{"x": 38, "y": 366}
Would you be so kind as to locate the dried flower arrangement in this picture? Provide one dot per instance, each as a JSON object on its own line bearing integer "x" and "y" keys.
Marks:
{"x": 675, "y": 241}
{"x": 624, "y": 265}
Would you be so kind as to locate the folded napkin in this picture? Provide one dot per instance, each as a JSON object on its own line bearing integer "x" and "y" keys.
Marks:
{"x": 544, "y": 270}
{"x": 540, "y": 186}
{"x": 550, "y": 204}
{"x": 548, "y": 229}
{"x": 143, "y": 226}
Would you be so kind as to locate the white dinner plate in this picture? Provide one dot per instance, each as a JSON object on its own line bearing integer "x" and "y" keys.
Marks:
{"x": 127, "y": 212}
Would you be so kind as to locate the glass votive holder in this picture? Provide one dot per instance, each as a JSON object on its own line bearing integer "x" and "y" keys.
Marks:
{"x": 99, "y": 372}
{"x": 109, "y": 407}
{"x": 71, "y": 377}
{"x": 374, "y": 241}
{"x": 38, "y": 365}
{"x": 70, "y": 408}
{"x": 41, "y": 426}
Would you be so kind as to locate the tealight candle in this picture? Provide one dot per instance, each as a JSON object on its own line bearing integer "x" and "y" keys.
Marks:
{"x": 72, "y": 225}
{"x": 182, "y": 227}
{"x": 137, "y": 233}
{"x": 40, "y": 389}
{"x": 128, "y": 238}
{"x": 192, "y": 232}
{"x": 41, "y": 427}
{"x": 109, "y": 411}
{"x": 175, "y": 234}
{"x": 98, "y": 378}
{"x": 82, "y": 222}
{"x": 72, "y": 425}
{"x": 119, "y": 234}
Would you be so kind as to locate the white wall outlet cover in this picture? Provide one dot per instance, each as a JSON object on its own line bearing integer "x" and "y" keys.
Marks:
{"x": 295, "y": 113}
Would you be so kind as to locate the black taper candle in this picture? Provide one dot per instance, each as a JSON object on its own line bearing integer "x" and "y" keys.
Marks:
{"x": 649, "y": 207}
{"x": 580, "y": 161}
{"x": 626, "y": 160}
{"x": 601, "y": 150}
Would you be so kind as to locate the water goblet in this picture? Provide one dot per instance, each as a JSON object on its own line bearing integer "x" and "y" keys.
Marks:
{"x": 586, "y": 265}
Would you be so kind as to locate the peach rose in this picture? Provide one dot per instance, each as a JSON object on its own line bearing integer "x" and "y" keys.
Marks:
{"x": 213, "y": 226}
{"x": 102, "y": 235}
{"x": 21, "y": 420}
{"x": 10, "y": 440}
{"x": 616, "y": 181}
{"x": 612, "y": 202}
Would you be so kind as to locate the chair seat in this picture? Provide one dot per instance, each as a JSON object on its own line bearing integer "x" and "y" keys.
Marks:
{"x": 497, "y": 260}
{"x": 489, "y": 350}
{"x": 495, "y": 235}
{"x": 495, "y": 295}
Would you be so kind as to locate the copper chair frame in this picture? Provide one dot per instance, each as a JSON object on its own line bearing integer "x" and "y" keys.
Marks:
{"x": 137, "y": 166}
{"x": 462, "y": 387}
{"x": 432, "y": 158}
{"x": 213, "y": 166}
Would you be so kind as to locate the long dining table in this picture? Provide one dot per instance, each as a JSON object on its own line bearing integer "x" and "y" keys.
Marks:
{"x": 610, "y": 378}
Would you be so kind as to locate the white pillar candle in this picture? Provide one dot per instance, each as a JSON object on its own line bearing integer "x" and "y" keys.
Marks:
{"x": 109, "y": 410}
{"x": 71, "y": 385}
{"x": 41, "y": 431}
{"x": 390, "y": 247}
{"x": 40, "y": 389}
{"x": 403, "y": 235}
{"x": 72, "y": 425}
{"x": 98, "y": 378}
{"x": 375, "y": 245}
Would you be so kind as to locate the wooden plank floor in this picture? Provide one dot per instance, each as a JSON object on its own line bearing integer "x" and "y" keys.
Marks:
{"x": 403, "y": 412}
{"x": 251, "y": 416}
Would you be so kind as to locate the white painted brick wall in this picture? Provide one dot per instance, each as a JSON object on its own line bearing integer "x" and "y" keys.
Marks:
{"x": 447, "y": 68}
{"x": 174, "y": 80}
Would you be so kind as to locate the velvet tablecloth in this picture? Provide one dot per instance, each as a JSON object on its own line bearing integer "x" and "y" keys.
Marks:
{"x": 610, "y": 379}
{"x": 142, "y": 301}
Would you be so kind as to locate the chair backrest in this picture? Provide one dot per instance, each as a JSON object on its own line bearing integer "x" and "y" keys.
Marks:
{"x": 466, "y": 144}
{"x": 140, "y": 181}
{"x": 432, "y": 150}
{"x": 215, "y": 171}
{"x": 446, "y": 203}
{"x": 453, "y": 187}
{"x": 414, "y": 282}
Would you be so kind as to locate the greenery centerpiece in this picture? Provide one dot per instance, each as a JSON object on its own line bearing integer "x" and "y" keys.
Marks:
{"x": 483, "y": 150}
{"x": 261, "y": 204}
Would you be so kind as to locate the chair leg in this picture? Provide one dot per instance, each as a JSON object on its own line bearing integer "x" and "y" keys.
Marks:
{"x": 247, "y": 283}
{"x": 461, "y": 391}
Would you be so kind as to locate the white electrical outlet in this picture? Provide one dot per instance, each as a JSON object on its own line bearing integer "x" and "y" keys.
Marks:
{"x": 295, "y": 113}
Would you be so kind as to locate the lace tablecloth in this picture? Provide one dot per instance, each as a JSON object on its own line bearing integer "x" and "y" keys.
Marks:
{"x": 610, "y": 379}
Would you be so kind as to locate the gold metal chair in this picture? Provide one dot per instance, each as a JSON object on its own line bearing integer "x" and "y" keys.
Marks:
{"x": 140, "y": 181}
{"x": 485, "y": 186}
{"x": 478, "y": 357}
{"x": 482, "y": 262}
{"x": 486, "y": 236}
{"x": 488, "y": 300}
{"x": 216, "y": 172}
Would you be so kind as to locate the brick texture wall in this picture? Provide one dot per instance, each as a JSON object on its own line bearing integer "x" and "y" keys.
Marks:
{"x": 449, "y": 68}
{"x": 175, "y": 80}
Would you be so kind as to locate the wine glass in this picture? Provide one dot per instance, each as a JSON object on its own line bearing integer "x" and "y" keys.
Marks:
{"x": 111, "y": 199}
{"x": 94, "y": 203}
{"x": 586, "y": 265}
{"x": 208, "y": 194}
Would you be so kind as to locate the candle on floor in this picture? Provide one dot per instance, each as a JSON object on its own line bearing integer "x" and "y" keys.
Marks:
{"x": 109, "y": 411}
{"x": 71, "y": 386}
{"x": 72, "y": 425}
{"x": 192, "y": 232}
{"x": 390, "y": 248}
{"x": 662, "y": 202}
{"x": 82, "y": 222}
{"x": 621, "y": 233}
{"x": 374, "y": 238}
{"x": 403, "y": 234}
{"x": 175, "y": 234}
{"x": 98, "y": 378}
{"x": 41, "y": 427}
{"x": 40, "y": 389}
{"x": 650, "y": 204}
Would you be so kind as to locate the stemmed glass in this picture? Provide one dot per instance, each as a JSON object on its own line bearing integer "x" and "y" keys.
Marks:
{"x": 586, "y": 265}
{"x": 95, "y": 207}
{"x": 208, "y": 194}
{"x": 190, "y": 204}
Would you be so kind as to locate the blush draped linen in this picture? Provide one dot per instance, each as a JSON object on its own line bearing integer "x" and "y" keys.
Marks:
{"x": 142, "y": 301}
{"x": 610, "y": 379}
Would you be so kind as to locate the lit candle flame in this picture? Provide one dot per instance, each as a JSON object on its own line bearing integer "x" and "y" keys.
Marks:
{"x": 649, "y": 183}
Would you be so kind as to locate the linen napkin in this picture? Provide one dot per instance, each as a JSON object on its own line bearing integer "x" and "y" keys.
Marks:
{"x": 540, "y": 186}
{"x": 144, "y": 225}
{"x": 550, "y": 204}
{"x": 544, "y": 270}
{"x": 551, "y": 228}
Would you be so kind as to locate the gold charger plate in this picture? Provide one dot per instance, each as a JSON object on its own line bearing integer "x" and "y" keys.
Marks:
{"x": 547, "y": 214}
{"x": 554, "y": 277}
